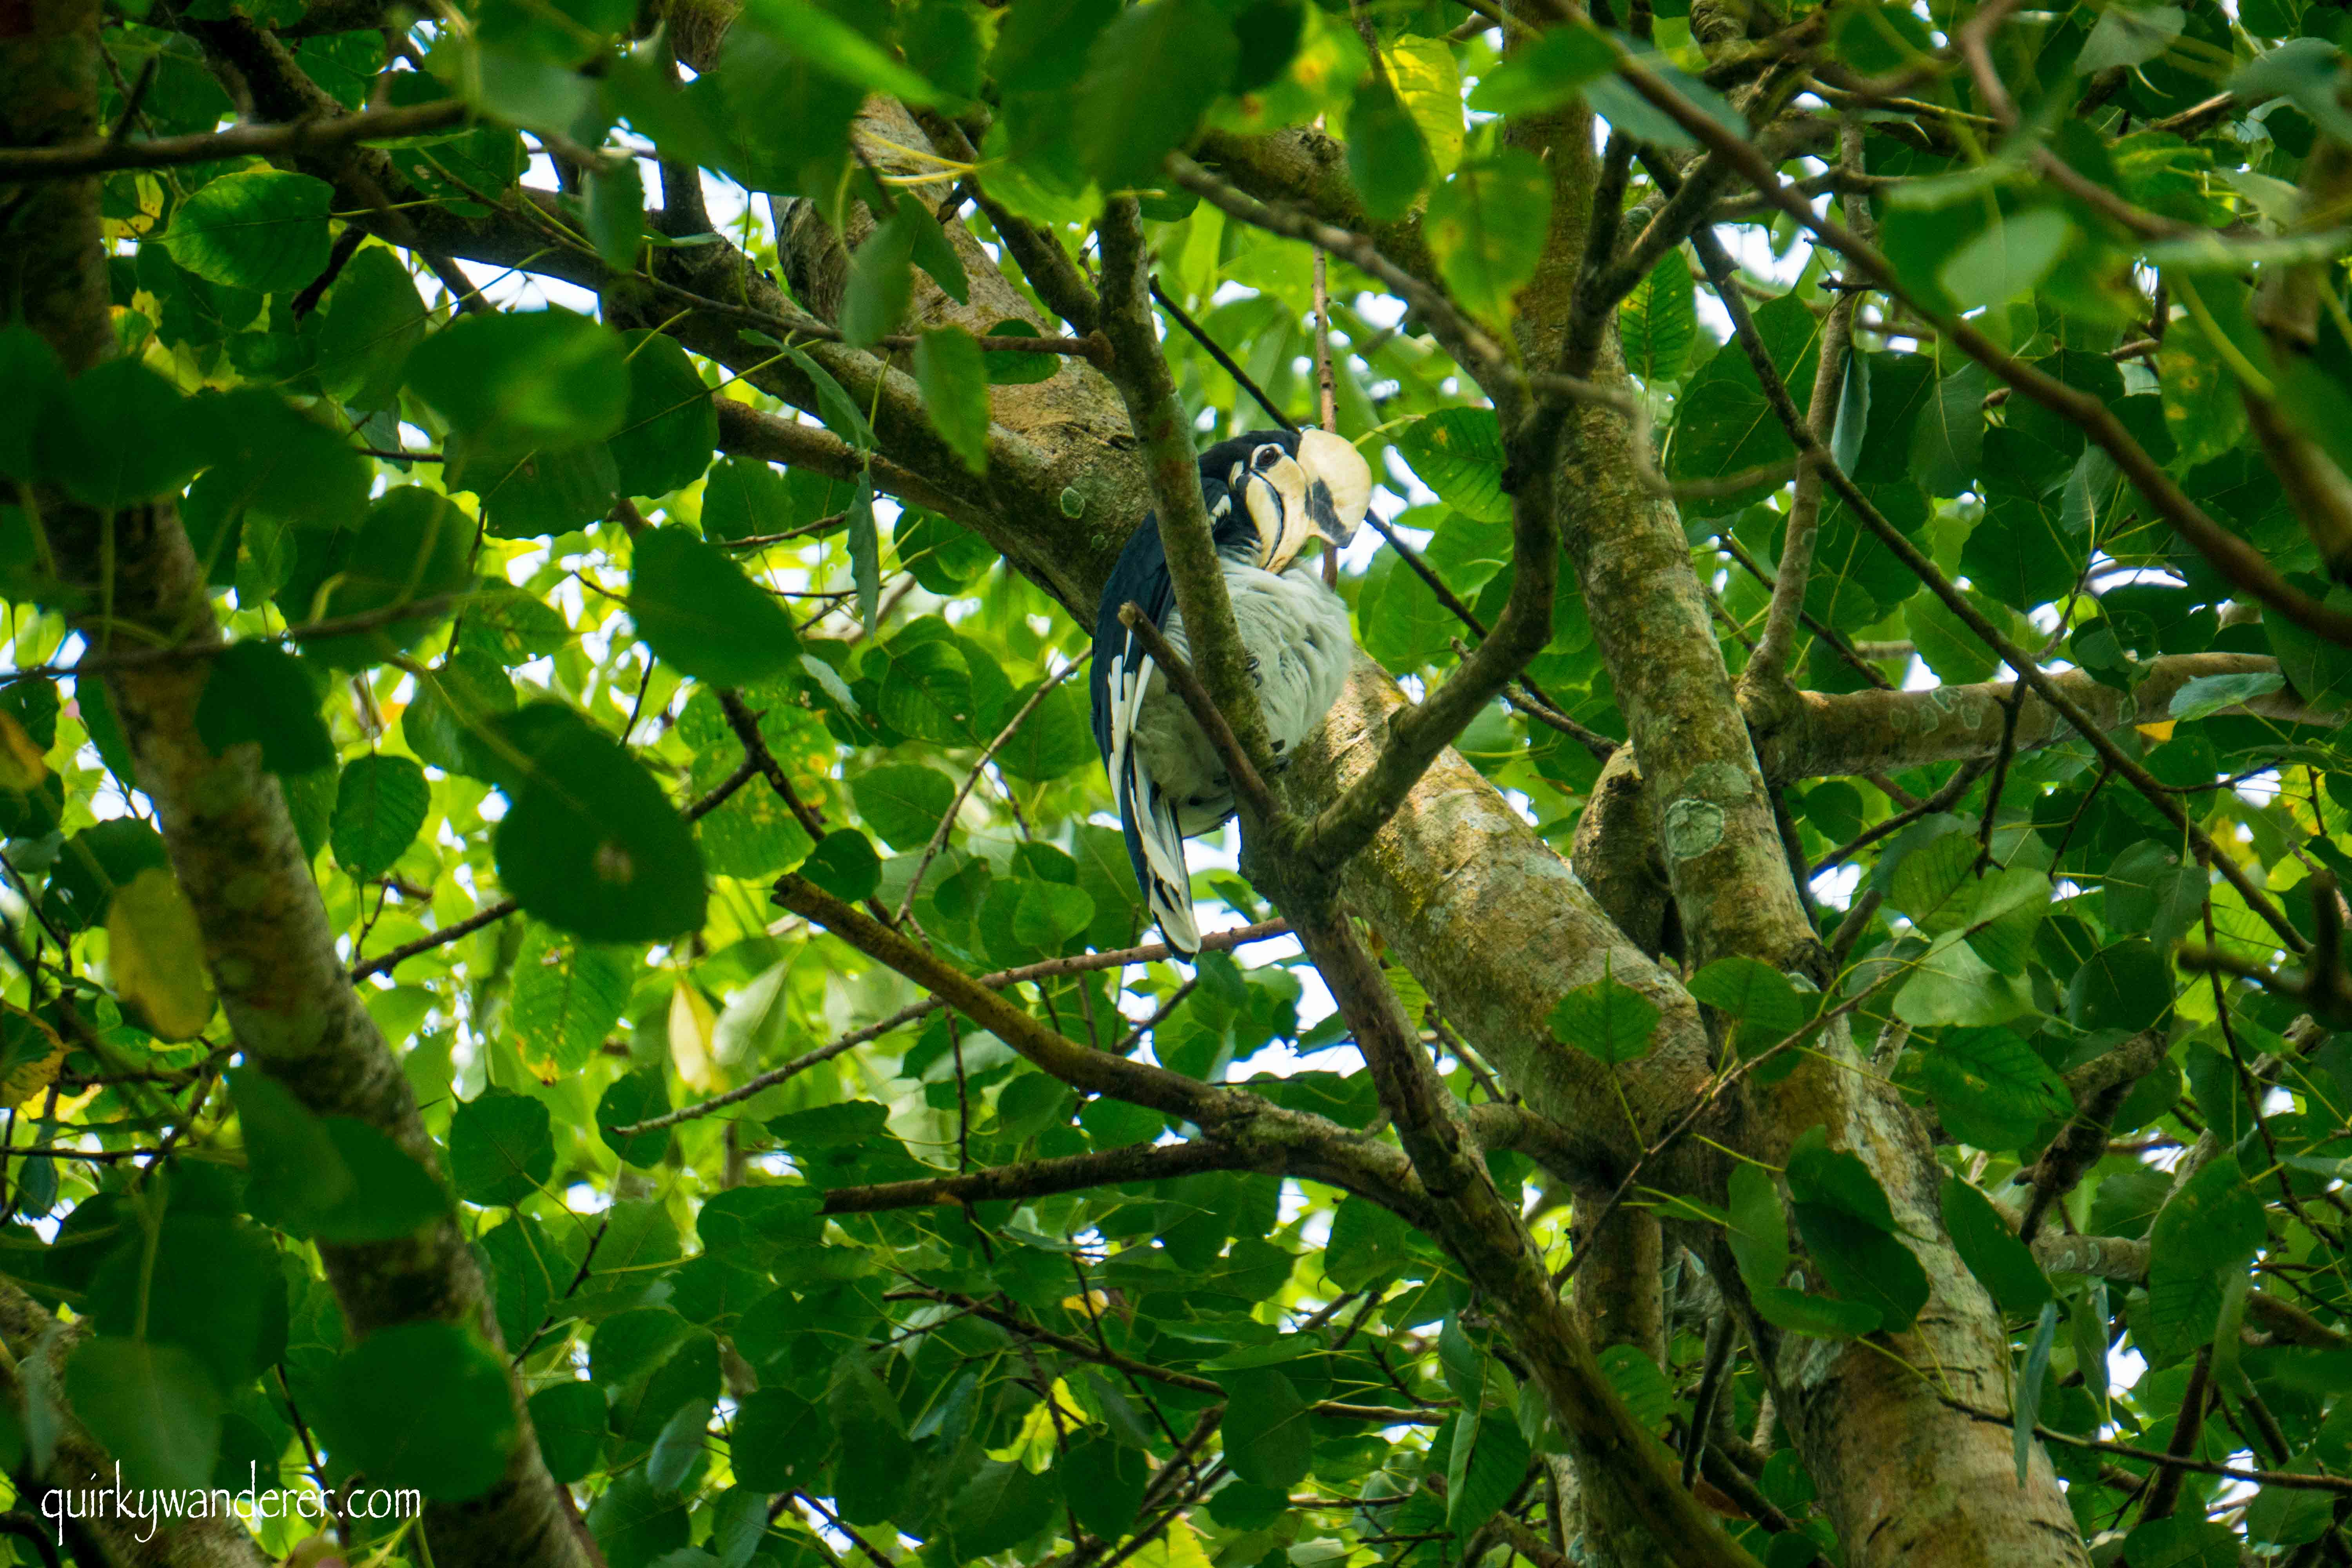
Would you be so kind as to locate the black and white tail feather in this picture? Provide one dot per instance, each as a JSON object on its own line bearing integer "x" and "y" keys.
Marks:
{"x": 1267, "y": 493}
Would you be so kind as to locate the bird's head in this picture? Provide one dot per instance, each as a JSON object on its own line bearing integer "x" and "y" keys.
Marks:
{"x": 1299, "y": 487}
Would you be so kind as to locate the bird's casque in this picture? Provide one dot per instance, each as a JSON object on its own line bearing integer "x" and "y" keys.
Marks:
{"x": 1267, "y": 494}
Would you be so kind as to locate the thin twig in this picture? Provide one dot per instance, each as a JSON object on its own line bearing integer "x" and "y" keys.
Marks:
{"x": 1225, "y": 361}
{"x": 947, "y": 820}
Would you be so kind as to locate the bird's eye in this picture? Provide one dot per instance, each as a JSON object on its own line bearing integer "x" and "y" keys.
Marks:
{"x": 1267, "y": 457}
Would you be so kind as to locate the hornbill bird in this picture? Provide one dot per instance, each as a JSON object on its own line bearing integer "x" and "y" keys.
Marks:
{"x": 1267, "y": 493}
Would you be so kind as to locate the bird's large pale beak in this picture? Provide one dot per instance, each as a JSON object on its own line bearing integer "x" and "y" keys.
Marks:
{"x": 1338, "y": 484}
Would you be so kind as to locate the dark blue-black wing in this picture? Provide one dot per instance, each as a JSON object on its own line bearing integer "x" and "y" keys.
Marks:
{"x": 1121, "y": 674}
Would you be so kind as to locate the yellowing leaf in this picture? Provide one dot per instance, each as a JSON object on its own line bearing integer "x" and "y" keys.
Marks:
{"x": 2158, "y": 732}
{"x": 692, "y": 1023}
{"x": 158, "y": 956}
{"x": 1429, "y": 81}
{"x": 31, "y": 1074}
{"x": 21, "y": 767}
{"x": 1179, "y": 1546}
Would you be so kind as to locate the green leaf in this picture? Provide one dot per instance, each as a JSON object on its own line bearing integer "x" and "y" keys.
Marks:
{"x": 1951, "y": 984}
{"x": 1487, "y": 227}
{"x": 1864, "y": 1263}
{"x": 872, "y": 1473}
{"x": 570, "y": 1420}
{"x": 932, "y": 251}
{"x": 1561, "y": 62}
{"x": 881, "y": 283}
{"x": 839, "y": 49}
{"x": 2211, "y": 1225}
{"x": 2008, "y": 258}
{"x": 616, "y": 211}
{"x": 2205, "y": 1234}
{"x": 1991, "y": 1087}
{"x": 955, "y": 392}
{"x": 841, "y": 415}
{"x": 632, "y": 1097}
{"x": 2207, "y": 695}
{"x": 526, "y": 1272}
{"x": 2283, "y": 1516}
{"x": 1497, "y": 1464}
{"x": 100, "y": 859}
{"x": 1758, "y": 1231}
{"x": 257, "y": 693}
{"x": 2182, "y": 1542}
{"x": 637, "y": 1523}
{"x": 83, "y": 445}
{"x": 1836, "y": 1179}
{"x": 589, "y": 844}
{"x": 845, "y": 865}
{"x": 380, "y": 803}
{"x": 1151, "y": 75}
{"x": 696, "y": 609}
{"x": 212, "y": 1286}
{"x": 1724, "y": 424}
{"x": 422, "y": 1405}
{"x": 780, "y": 1443}
{"x": 373, "y": 321}
{"x": 413, "y": 548}
{"x": 1649, "y": 1397}
{"x": 927, "y": 688}
{"x": 154, "y": 1407}
{"x": 1367, "y": 1241}
{"x": 513, "y": 384}
{"x": 1000, "y": 1506}
{"x": 271, "y": 460}
{"x": 392, "y": 1196}
{"x": 1458, "y": 453}
{"x": 1657, "y": 323}
{"x": 2028, "y": 1402}
{"x": 1608, "y": 1022}
{"x": 501, "y": 1149}
{"x": 261, "y": 230}
{"x": 903, "y": 801}
{"x": 1267, "y": 1440}
{"x": 1054, "y": 742}
{"x": 743, "y": 498}
{"x": 666, "y": 437}
{"x": 451, "y": 723}
{"x": 1819, "y": 1316}
{"x": 1103, "y": 1482}
{"x": 1754, "y": 994}
{"x": 330, "y": 1177}
{"x": 764, "y": 1226}
{"x": 2001, "y": 1263}
{"x": 1387, "y": 159}
{"x": 2125, "y": 985}
{"x": 30, "y": 369}
{"x": 1629, "y": 111}
{"x": 865, "y": 545}
{"x": 753, "y": 835}
{"x": 2129, "y": 36}
{"x": 1048, "y": 915}
{"x": 1010, "y": 369}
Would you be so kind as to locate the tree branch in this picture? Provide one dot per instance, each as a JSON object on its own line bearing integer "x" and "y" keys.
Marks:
{"x": 1142, "y": 375}
{"x": 23, "y": 164}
